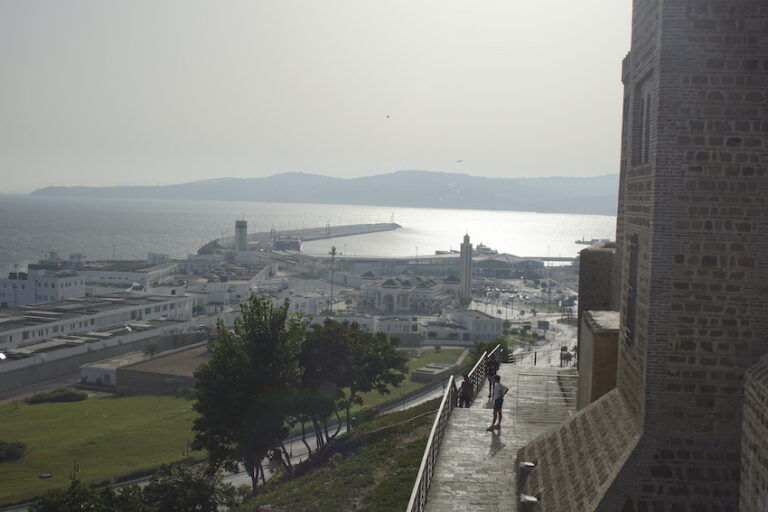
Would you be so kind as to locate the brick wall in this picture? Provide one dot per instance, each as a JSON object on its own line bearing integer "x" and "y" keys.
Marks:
{"x": 576, "y": 462}
{"x": 754, "y": 440}
{"x": 598, "y": 349}
{"x": 692, "y": 257}
{"x": 695, "y": 188}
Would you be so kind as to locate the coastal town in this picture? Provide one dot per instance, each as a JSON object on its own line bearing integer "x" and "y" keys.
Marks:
{"x": 91, "y": 322}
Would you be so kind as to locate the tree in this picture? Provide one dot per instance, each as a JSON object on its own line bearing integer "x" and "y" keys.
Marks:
{"x": 184, "y": 486}
{"x": 372, "y": 363}
{"x": 485, "y": 346}
{"x": 323, "y": 356}
{"x": 178, "y": 487}
{"x": 78, "y": 497}
{"x": 244, "y": 390}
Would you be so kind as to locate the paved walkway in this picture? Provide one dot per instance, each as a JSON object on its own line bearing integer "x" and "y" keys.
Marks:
{"x": 475, "y": 471}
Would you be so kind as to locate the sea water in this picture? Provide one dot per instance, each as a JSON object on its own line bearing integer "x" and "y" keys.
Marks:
{"x": 30, "y": 227}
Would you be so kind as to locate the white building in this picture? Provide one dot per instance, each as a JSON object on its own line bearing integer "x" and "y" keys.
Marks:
{"x": 395, "y": 326}
{"x": 40, "y": 286}
{"x": 104, "y": 373}
{"x": 444, "y": 332}
{"x": 483, "y": 327}
{"x": 230, "y": 284}
{"x": 405, "y": 294}
{"x": 27, "y": 325}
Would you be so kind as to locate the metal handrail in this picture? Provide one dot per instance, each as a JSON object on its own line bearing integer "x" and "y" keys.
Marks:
{"x": 427, "y": 468}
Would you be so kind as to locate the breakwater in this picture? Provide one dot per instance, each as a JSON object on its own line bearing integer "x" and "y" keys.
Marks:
{"x": 305, "y": 235}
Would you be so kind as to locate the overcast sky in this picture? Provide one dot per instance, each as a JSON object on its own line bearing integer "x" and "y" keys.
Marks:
{"x": 141, "y": 92}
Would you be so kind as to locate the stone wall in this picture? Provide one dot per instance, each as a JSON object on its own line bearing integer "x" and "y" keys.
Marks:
{"x": 576, "y": 462}
{"x": 754, "y": 440}
{"x": 692, "y": 246}
{"x": 596, "y": 281}
{"x": 598, "y": 350}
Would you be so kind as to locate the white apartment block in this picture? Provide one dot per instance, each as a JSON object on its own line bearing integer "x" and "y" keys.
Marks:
{"x": 27, "y": 325}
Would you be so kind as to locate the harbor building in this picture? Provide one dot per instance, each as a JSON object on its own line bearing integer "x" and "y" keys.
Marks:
{"x": 685, "y": 428}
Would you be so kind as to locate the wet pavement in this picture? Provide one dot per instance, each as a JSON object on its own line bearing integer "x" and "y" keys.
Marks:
{"x": 476, "y": 471}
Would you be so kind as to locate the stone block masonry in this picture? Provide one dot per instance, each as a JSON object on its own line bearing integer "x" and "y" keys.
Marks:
{"x": 692, "y": 260}
{"x": 754, "y": 441}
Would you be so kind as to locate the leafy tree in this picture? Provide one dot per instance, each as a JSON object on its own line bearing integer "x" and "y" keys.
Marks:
{"x": 323, "y": 356}
{"x": 185, "y": 487}
{"x": 178, "y": 487}
{"x": 245, "y": 389}
{"x": 485, "y": 346}
{"x": 372, "y": 362}
{"x": 78, "y": 497}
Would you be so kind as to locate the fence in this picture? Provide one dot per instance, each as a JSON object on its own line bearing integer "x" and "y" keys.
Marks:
{"x": 429, "y": 460}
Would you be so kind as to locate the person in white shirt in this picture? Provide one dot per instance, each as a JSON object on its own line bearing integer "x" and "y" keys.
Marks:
{"x": 499, "y": 390}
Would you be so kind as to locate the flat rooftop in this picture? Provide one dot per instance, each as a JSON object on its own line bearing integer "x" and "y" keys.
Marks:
{"x": 181, "y": 363}
{"x": 41, "y": 314}
{"x": 118, "y": 362}
{"x": 71, "y": 340}
{"x": 125, "y": 266}
{"x": 475, "y": 313}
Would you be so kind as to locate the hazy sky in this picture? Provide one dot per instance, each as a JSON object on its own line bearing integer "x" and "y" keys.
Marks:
{"x": 141, "y": 92}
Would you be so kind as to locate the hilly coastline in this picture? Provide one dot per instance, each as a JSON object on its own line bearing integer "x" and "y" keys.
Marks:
{"x": 418, "y": 189}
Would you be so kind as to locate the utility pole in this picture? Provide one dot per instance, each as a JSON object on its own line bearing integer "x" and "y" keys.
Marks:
{"x": 333, "y": 269}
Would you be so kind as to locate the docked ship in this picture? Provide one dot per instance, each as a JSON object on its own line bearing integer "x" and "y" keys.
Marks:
{"x": 584, "y": 241}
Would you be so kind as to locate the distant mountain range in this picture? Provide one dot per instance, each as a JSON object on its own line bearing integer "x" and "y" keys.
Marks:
{"x": 421, "y": 189}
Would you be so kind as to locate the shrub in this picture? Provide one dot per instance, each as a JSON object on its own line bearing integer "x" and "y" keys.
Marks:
{"x": 11, "y": 451}
{"x": 57, "y": 395}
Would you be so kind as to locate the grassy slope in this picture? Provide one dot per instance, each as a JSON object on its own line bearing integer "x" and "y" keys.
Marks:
{"x": 114, "y": 436}
{"x": 366, "y": 470}
{"x": 107, "y": 436}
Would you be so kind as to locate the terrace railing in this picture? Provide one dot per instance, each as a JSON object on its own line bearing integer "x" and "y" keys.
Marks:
{"x": 418, "y": 500}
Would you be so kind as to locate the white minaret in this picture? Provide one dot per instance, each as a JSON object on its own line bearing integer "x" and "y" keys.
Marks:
{"x": 465, "y": 272}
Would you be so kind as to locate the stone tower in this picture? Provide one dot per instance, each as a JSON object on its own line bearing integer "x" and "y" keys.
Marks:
{"x": 692, "y": 265}
{"x": 465, "y": 272}
{"x": 693, "y": 243}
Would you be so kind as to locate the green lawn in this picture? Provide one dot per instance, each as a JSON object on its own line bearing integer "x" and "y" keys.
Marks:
{"x": 107, "y": 436}
{"x": 113, "y": 436}
{"x": 445, "y": 355}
